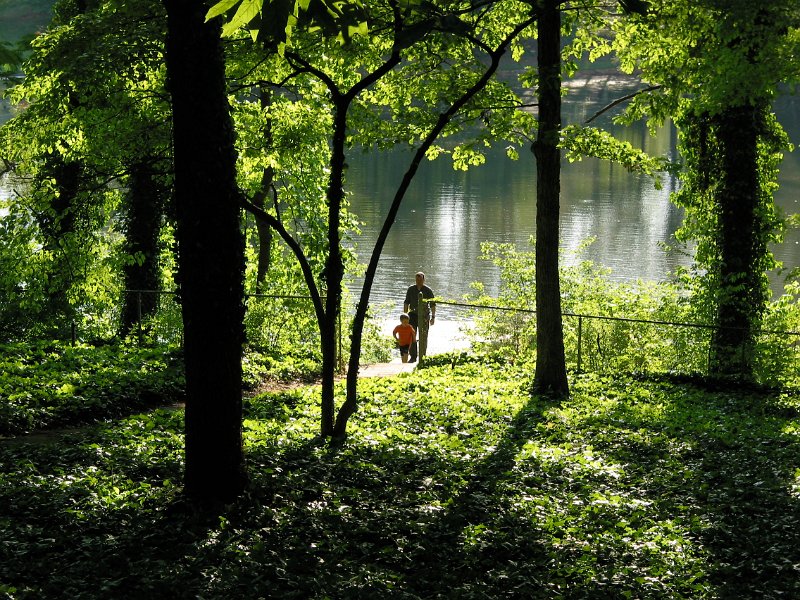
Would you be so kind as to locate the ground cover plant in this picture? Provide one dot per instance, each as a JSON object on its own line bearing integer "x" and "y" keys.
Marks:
{"x": 611, "y": 326}
{"x": 49, "y": 384}
{"x": 52, "y": 384}
{"x": 454, "y": 482}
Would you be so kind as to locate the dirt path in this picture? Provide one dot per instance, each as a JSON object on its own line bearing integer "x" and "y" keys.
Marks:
{"x": 445, "y": 335}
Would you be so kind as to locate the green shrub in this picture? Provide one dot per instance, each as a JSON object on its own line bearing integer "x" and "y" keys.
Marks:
{"x": 613, "y": 326}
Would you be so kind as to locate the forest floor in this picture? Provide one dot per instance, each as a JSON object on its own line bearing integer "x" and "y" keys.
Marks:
{"x": 454, "y": 481}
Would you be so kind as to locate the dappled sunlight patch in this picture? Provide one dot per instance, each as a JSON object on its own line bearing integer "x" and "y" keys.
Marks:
{"x": 574, "y": 459}
{"x": 794, "y": 485}
{"x": 50, "y": 384}
{"x": 280, "y": 418}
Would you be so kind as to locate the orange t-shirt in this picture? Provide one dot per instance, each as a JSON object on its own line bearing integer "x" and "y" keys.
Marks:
{"x": 404, "y": 334}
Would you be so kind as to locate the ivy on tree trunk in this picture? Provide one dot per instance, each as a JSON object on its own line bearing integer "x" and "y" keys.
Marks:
{"x": 741, "y": 295}
{"x": 144, "y": 213}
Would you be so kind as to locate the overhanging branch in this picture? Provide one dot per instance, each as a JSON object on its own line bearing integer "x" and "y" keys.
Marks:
{"x": 295, "y": 247}
{"x": 618, "y": 101}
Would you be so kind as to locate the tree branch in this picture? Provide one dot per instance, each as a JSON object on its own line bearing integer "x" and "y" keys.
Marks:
{"x": 608, "y": 107}
{"x": 350, "y": 404}
{"x": 295, "y": 248}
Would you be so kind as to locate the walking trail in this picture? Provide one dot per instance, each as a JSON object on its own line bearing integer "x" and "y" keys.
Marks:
{"x": 444, "y": 336}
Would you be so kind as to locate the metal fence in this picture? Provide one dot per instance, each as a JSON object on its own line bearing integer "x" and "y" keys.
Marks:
{"x": 592, "y": 342}
{"x": 608, "y": 343}
{"x": 270, "y": 320}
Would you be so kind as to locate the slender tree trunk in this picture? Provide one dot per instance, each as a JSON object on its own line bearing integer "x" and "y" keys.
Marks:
{"x": 551, "y": 371}
{"x": 264, "y": 232}
{"x": 350, "y": 405}
{"x": 145, "y": 212}
{"x": 334, "y": 266}
{"x": 260, "y": 199}
{"x": 741, "y": 296}
{"x": 211, "y": 252}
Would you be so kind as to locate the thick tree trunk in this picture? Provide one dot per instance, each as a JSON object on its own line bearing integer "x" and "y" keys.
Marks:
{"x": 551, "y": 371}
{"x": 145, "y": 212}
{"x": 211, "y": 252}
{"x": 741, "y": 295}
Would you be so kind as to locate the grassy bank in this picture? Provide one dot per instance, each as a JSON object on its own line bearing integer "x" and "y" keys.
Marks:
{"x": 455, "y": 482}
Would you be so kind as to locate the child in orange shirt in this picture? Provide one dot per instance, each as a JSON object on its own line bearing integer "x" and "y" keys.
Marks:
{"x": 405, "y": 335}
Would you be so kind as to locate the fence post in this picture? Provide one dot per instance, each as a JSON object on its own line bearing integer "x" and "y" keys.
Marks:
{"x": 580, "y": 335}
{"x": 139, "y": 316}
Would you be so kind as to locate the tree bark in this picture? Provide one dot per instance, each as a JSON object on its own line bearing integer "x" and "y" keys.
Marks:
{"x": 145, "y": 212}
{"x": 741, "y": 296}
{"x": 211, "y": 252}
{"x": 260, "y": 199}
{"x": 58, "y": 224}
{"x": 551, "y": 371}
{"x": 334, "y": 266}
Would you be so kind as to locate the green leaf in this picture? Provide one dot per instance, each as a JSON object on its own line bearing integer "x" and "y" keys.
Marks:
{"x": 220, "y": 8}
{"x": 246, "y": 12}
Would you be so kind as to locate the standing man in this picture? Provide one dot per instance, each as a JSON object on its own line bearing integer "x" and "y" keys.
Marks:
{"x": 410, "y": 307}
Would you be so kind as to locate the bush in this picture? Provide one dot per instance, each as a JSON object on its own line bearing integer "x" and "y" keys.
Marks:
{"x": 612, "y": 326}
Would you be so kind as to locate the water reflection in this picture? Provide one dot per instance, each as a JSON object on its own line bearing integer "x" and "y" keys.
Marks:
{"x": 447, "y": 214}
{"x": 19, "y": 19}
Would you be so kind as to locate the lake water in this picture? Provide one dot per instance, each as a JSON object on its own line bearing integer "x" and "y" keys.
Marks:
{"x": 447, "y": 214}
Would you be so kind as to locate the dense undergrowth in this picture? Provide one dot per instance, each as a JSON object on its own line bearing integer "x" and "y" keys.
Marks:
{"x": 51, "y": 384}
{"x": 455, "y": 482}
{"x": 55, "y": 384}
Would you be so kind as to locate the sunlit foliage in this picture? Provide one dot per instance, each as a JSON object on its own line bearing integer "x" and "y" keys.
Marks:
{"x": 455, "y": 481}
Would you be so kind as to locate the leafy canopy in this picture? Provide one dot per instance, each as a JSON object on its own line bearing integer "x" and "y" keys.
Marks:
{"x": 274, "y": 21}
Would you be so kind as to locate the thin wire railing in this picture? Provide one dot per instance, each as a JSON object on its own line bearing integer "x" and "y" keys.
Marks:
{"x": 788, "y": 348}
{"x": 589, "y": 344}
{"x": 282, "y": 314}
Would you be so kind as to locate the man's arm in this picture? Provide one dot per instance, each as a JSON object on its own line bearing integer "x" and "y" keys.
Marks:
{"x": 432, "y": 304}
{"x": 408, "y": 302}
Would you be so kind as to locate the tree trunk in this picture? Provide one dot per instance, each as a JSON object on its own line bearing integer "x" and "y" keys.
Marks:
{"x": 334, "y": 267}
{"x": 211, "y": 252}
{"x": 741, "y": 296}
{"x": 351, "y": 402}
{"x": 260, "y": 199}
{"x": 145, "y": 212}
{"x": 551, "y": 370}
{"x": 59, "y": 224}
